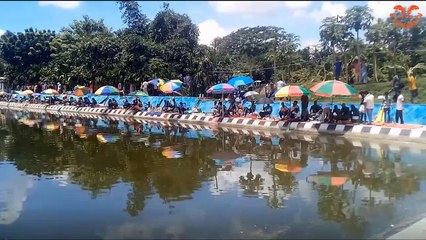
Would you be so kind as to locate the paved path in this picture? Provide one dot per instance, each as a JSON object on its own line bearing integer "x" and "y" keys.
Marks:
{"x": 415, "y": 231}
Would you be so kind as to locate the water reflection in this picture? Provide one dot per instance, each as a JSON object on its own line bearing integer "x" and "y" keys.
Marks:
{"x": 245, "y": 185}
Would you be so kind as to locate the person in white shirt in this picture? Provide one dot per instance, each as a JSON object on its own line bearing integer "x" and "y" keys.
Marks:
{"x": 280, "y": 84}
{"x": 399, "y": 109}
{"x": 369, "y": 106}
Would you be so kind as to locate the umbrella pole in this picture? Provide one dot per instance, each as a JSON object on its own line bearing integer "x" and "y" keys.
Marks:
{"x": 223, "y": 112}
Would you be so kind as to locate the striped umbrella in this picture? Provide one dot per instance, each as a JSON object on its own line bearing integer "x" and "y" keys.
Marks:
{"x": 27, "y": 92}
{"x": 107, "y": 90}
{"x": 291, "y": 91}
{"x": 170, "y": 87}
{"x": 81, "y": 91}
{"x": 177, "y": 81}
{"x": 333, "y": 88}
{"x": 138, "y": 93}
{"x": 50, "y": 91}
{"x": 240, "y": 81}
{"x": 157, "y": 82}
{"x": 221, "y": 88}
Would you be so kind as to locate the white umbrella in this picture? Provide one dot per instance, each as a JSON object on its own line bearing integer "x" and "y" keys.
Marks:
{"x": 250, "y": 93}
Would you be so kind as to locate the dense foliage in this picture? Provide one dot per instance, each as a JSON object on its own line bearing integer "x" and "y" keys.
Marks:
{"x": 167, "y": 47}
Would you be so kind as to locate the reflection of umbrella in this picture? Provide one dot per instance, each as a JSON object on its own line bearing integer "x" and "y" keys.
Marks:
{"x": 250, "y": 93}
{"x": 170, "y": 153}
{"x": 51, "y": 126}
{"x": 81, "y": 91}
{"x": 80, "y": 130}
{"x": 107, "y": 90}
{"x": 221, "y": 88}
{"x": 291, "y": 91}
{"x": 329, "y": 180}
{"x": 138, "y": 93}
{"x": 240, "y": 81}
{"x": 265, "y": 100}
{"x": 170, "y": 87}
{"x": 333, "y": 88}
{"x": 289, "y": 168}
{"x": 106, "y": 138}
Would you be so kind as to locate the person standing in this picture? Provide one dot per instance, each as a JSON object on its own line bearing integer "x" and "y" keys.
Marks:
{"x": 305, "y": 103}
{"x": 397, "y": 85}
{"x": 338, "y": 67}
{"x": 399, "y": 109}
{"x": 386, "y": 108}
{"x": 356, "y": 70}
{"x": 369, "y": 106}
{"x": 364, "y": 71}
{"x": 280, "y": 84}
{"x": 412, "y": 85}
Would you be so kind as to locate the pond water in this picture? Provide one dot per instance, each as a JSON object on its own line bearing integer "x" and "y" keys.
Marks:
{"x": 67, "y": 177}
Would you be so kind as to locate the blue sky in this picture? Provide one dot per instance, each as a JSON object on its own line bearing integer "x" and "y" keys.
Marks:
{"x": 213, "y": 18}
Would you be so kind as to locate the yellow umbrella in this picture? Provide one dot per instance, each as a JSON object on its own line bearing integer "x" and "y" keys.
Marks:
{"x": 27, "y": 92}
{"x": 50, "y": 91}
{"x": 3, "y": 93}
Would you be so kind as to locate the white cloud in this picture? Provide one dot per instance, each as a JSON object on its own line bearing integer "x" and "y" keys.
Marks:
{"x": 256, "y": 8}
{"x": 297, "y": 4}
{"x": 327, "y": 9}
{"x": 209, "y": 30}
{"x": 2, "y": 32}
{"x": 384, "y": 9}
{"x": 60, "y": 4}
{"x": 308, "y": 43}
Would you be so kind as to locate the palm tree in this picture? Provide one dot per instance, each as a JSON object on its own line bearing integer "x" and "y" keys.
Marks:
{"x": 358, "y": 18}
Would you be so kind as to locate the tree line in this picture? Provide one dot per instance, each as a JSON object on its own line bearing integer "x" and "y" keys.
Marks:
{"x": 167, "y": 47}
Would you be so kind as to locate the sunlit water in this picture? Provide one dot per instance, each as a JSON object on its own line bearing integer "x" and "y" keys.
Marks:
{"x": 64, "y": 177}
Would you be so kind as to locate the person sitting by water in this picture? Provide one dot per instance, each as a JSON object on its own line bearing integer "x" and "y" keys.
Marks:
{"x": 354, "y": 114}
{"x": 315, "y": 111}
{"x": 80, "y": 102}
{"x": 344, "y": 115}
{"x": 240, "y": 109}
{"x": 295, "y": 113}
{"x": 126, "y": 104}
{"x": 94, "y": 103}
{"x": 315, "y": 108}
{"x": 181, "y": 108}
{"x": 267, "y": 110}
{"x": 335, "y": 113}
{"x": 326, "y": 115}
{"x": 284, "y": 111}
{"x": 110, "y": 105}
{"x": 251, "y": 109}
{"x": 86, "y": 101}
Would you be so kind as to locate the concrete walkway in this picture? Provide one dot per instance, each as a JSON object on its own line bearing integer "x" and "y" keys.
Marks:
{"x": 415, "y": 231}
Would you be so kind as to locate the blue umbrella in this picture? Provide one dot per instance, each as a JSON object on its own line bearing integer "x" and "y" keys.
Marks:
{"x": 240, "y": 81}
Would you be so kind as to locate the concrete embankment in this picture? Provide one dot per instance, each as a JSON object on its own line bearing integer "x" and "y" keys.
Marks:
{"x": 415, "y": 134}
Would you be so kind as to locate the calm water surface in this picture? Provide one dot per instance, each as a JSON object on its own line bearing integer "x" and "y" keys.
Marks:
{"x": 67, "y": 177}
